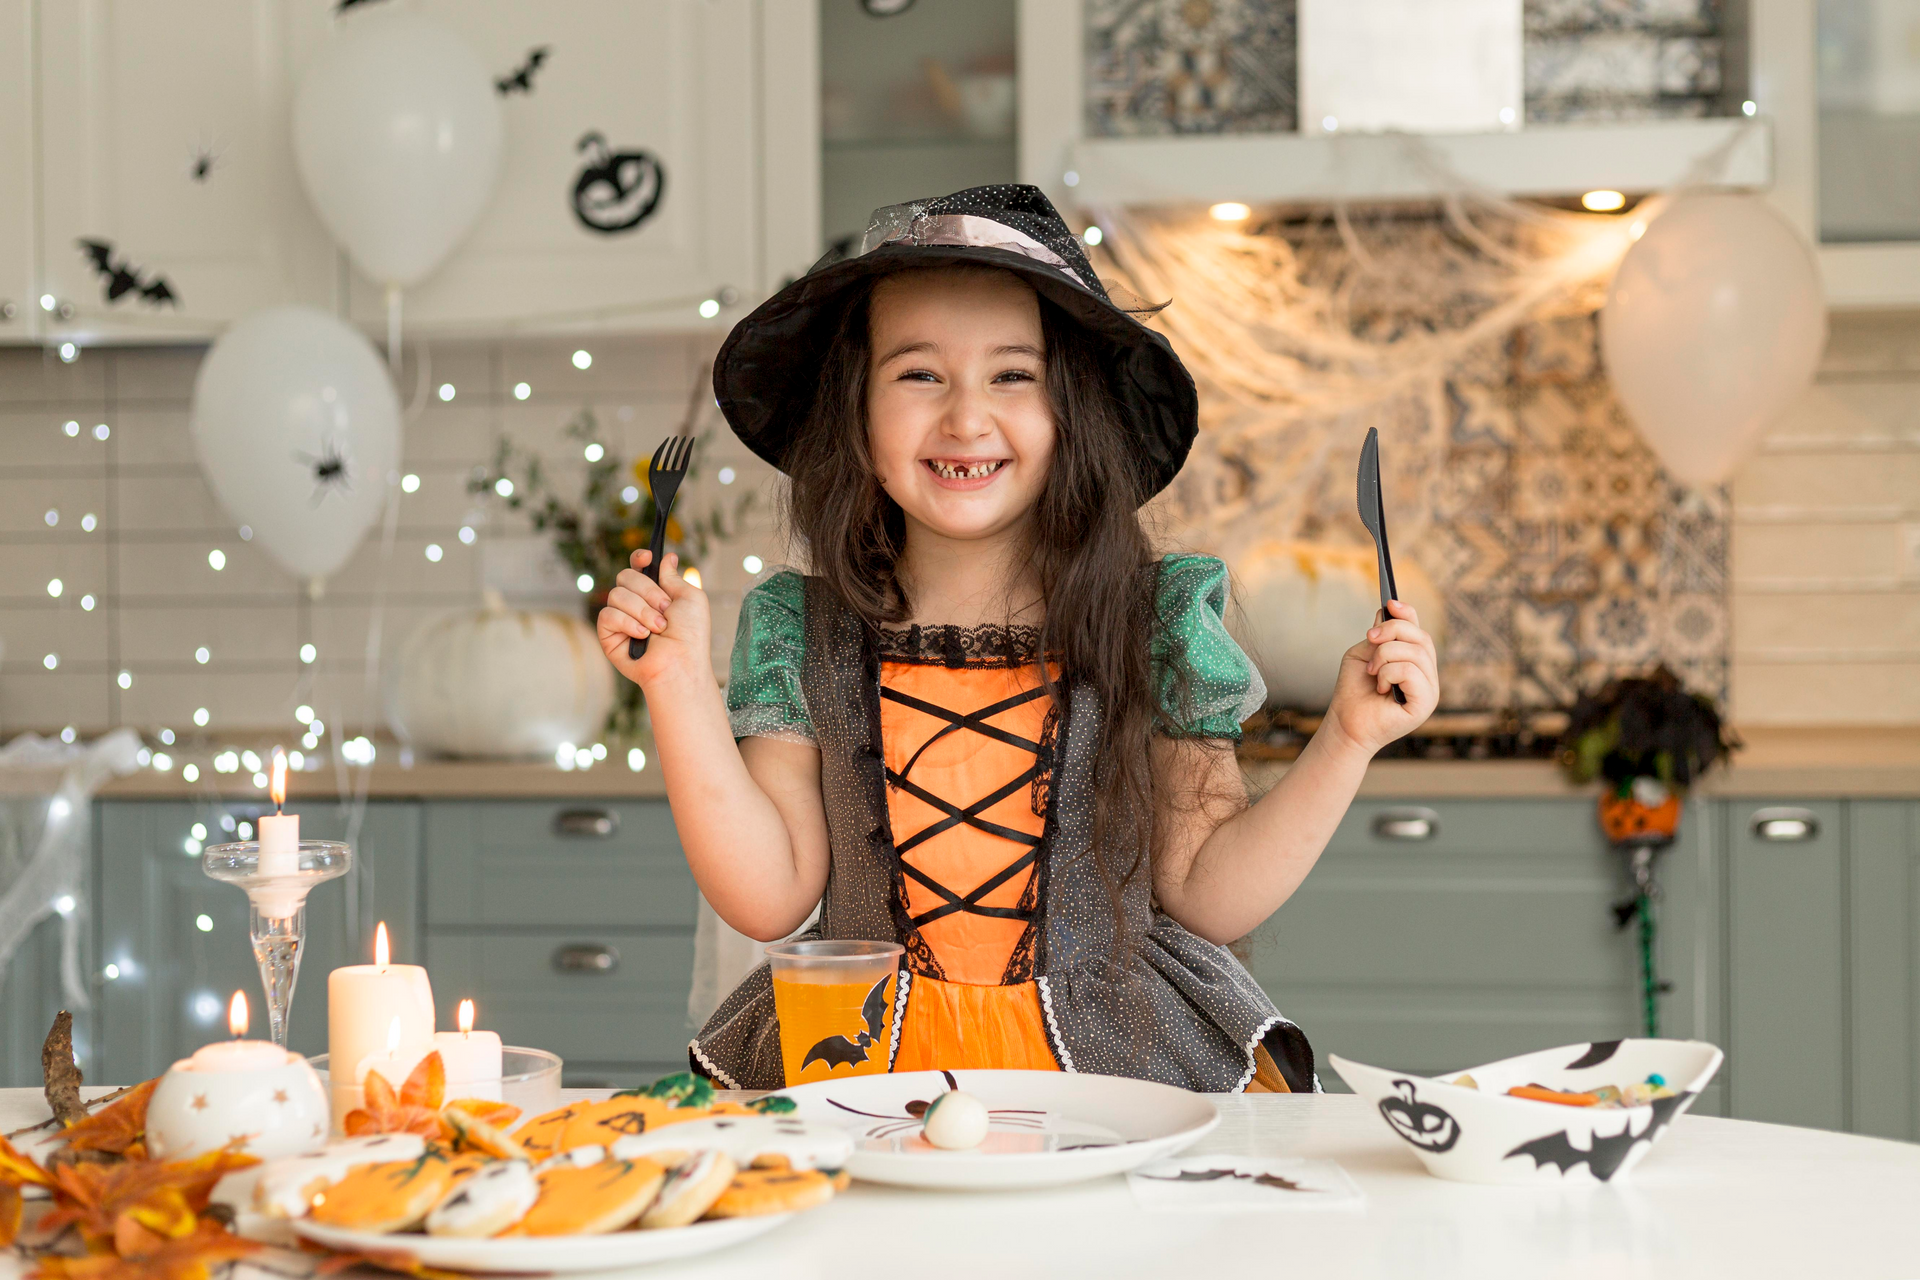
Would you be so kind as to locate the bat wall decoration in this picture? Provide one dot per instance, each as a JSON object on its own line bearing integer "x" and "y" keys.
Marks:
{"x": 521, "y": 80}
{"x": 1604, "y": 1155}
{"x": 123, "y": 278}
{"x": 839, "y": 1051}
{"x": 616, "y": 190}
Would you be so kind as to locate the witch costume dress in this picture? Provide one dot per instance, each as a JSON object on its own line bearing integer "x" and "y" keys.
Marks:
{"x": 959, "y": 798}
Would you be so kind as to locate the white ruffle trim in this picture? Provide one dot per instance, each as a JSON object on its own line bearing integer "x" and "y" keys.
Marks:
{"x": 1253, "y": 1044}
{"x": 1053, "y": 1027}
{"x": 899, "y": 1013}
{"x": 713, "y": 1068}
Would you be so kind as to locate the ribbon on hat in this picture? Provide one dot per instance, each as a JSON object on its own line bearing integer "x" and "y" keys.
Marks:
{"x": 912, "y": 224}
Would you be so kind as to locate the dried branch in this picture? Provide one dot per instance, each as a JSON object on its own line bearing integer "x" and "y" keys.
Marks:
{"x": 62, "y": 1073}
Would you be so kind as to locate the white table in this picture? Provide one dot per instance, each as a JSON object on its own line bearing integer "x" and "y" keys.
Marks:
{"x": 1715, "y": 1198}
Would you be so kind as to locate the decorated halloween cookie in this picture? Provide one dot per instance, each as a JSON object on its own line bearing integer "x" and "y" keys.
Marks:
{"x": 755, "y": 1192}
{"x": 385, "y": 1197}
{"x": 690, "y": 1190}
{"x": 496, "y": 1196}
{"x": 286, "y": 1188}
{"x": 592, "y": 1199}
{"x": 747, "y": 1139}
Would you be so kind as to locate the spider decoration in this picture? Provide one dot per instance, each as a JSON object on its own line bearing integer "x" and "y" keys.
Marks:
{"x": 917, "y": 1109}
{"x": 330, "y": 468}
{"x": 205, "y": 160}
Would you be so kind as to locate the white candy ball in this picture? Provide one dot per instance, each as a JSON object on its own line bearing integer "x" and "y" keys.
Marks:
{"x": 956, "y": 1121}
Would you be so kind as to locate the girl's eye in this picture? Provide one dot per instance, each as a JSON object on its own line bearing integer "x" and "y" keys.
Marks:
{"x": 1015, "y": 375}
{"x": 918, "y": 375}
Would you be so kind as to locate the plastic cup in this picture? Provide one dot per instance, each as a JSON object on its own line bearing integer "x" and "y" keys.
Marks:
{"x": 835, "y": 1005}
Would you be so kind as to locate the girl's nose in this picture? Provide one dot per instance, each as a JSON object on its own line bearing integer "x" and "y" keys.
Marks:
{"x": 968, "y": 415}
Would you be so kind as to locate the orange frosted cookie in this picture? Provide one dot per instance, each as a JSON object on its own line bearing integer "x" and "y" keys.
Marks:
{"x": 540, "y": 1136}
{"x": 394, "y": 1196}
{"x": 588, "y": 1200}
{"x": 754, "y": 1192}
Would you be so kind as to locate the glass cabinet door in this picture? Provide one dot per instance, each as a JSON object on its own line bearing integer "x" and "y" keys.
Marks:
{"x": 1868, "y": 81}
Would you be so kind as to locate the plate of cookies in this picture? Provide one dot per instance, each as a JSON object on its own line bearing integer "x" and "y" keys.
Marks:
{"x": 649, "y": 1174}
{"x": 1001, "y": 1130}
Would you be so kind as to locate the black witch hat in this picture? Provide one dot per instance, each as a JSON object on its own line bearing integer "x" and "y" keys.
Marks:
{"x": 765, "y": 374}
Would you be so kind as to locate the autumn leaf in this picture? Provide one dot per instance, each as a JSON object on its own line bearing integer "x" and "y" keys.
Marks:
{"x": 188, "y": 1257}
{"x": 11, "y": 1206}
{"x": 497, "y": 1114}
{"x": 427, "y": 1085}
{"x": 116, "y": 1127}
{"x": 415, "y": 1109}
{"x": 17, "y": 1170}
{"x": 164, "y": 1198}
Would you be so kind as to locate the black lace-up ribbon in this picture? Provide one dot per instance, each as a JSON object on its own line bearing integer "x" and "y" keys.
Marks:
{"x": 976, "y": 722}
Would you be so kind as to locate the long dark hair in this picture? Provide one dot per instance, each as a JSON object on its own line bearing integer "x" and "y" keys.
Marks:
{"x": 1089, "y": 552}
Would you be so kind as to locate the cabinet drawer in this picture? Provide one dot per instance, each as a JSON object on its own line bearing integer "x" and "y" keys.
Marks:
{"x": 571, "y": 864}
{"x": 634, "y": 1011}
{"x": 1389, "y": 828}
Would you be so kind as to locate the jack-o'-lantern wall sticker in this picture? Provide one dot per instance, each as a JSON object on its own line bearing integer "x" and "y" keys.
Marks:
{"x": 1426, "y": 1126}
{"x": 616, "y": 190}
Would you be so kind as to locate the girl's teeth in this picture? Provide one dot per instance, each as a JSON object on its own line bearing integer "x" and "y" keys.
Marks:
{"x": 968, "y": 471}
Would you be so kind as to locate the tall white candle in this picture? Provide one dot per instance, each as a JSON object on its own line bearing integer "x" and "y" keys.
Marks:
{"x": 472, "y": 1058}
{"x": 363, "y": 1001}
{"x": 279, "y": 844}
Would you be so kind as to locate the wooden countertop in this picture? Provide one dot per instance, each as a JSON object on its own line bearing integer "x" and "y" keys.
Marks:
{"x": 1776, "y": 763}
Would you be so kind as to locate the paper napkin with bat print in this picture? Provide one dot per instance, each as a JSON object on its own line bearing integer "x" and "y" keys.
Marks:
{"x": 1242, "y": 1184}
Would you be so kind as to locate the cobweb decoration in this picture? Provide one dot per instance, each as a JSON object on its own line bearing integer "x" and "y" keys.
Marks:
{"x": 1302, "y": 332}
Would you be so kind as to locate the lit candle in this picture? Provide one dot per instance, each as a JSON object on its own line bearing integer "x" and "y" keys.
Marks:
{"x": 393, "y": 1065}
{"x": 239, "y": 1053}
{"x": 365, "y": 1002}
{"x": 279, "y": 843}
{"x": 472, "y": 1058}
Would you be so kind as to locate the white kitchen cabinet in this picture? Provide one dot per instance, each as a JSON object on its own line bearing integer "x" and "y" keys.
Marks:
{"x": 631, "y": 188}
{"x": 163, "y": 134}
{"x": 17, "y": 310}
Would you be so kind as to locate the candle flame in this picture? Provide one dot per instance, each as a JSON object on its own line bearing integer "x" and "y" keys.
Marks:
{"x": 237, "y": 1015}
{"x": 393, "y": 1036}
{"x": 382, "y": 952}
{"x": 466, "y": 1017}
{"x": 279, "y": 788}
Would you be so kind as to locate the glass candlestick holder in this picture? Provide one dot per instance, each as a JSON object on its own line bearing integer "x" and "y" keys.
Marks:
{"x": 277, "y": 911}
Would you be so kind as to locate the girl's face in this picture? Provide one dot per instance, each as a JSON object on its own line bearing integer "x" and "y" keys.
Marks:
{"x": 959, "y": 424}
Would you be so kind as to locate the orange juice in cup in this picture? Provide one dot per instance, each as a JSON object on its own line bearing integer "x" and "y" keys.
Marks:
{"x": 835, "y": 1005}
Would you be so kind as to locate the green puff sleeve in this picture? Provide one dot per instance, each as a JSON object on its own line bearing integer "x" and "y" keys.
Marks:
{"x": 763, "y": 684}
{"x": 1207, "y": 683}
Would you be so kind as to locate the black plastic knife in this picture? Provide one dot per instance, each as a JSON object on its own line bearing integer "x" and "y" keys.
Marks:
{"x": 1373, "y": 514}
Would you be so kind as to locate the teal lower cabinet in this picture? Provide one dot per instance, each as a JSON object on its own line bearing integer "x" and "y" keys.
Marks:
{"x": 571, "y": 926}
{"x": 1883, "y": 968}
{"x": 1435, "y": 935}
{"x": 30, "y": 998}
{"x": 173, "y": 945}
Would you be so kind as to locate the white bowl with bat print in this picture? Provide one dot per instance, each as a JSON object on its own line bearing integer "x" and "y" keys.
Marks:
{"x": 1480, "y": 1134}
{"x": 1044, "y": 1128}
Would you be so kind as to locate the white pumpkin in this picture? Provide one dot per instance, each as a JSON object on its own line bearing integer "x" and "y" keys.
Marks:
{"x": 500, "y": 683}
{"x": 1303, "y": 604}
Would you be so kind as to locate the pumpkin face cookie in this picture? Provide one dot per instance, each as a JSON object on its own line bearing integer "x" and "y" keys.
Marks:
{"x": 592, "y": 1199}
{"x": 605, "y": 1123}
{"x": 755, "y": 1192}
{"x": 385, "y": 1197}
{"x": 286, "y": 1187}
{"x": 540, "y": 1136}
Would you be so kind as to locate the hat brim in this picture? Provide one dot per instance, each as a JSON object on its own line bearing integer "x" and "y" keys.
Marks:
{"x": 766, "y": 372}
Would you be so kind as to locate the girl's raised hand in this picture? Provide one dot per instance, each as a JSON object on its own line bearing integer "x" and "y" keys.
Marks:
{"x": 671, "y": 614}
{"x": 1395, "y": 652}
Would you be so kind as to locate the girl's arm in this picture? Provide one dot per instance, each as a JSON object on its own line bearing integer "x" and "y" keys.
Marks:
{"x": 1220, "y": 868}
{"x": 751, "y": 817}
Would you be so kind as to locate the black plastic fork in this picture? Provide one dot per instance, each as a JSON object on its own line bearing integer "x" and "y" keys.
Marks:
{"x": 664, "y": 474}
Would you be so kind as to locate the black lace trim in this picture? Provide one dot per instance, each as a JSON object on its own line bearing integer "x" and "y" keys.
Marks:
{"x": 990, "y": 645}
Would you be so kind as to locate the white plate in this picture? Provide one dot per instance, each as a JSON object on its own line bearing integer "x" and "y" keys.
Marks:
{"x": 1048, "y": 1127}
{"x": 551, "y": 1253}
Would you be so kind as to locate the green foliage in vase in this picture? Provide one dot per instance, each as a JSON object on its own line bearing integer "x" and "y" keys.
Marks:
{"x": 596, "y": 530}
{"x": 1645, "y": 727}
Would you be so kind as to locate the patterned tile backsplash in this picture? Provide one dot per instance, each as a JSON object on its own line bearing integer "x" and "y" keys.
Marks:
{"x": 1228, "y": 66}
{"x": 1564, "y": 554}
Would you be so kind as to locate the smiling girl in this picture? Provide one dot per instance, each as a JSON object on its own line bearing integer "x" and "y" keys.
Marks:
{"x": 991, "y": 724}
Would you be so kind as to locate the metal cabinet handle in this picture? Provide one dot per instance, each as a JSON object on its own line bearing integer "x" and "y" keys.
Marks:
{"x": 1785, "y": 826}
{"x": 1406, "y": 824}
{"x": 587, "y": 823}
{"x": 586, "y": 957}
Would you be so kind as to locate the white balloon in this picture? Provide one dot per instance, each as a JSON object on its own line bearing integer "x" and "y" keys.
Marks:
{"x": 297, "y": 428}
{"x": 1713, "y": 325}
{"x": 397, "y": 132}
